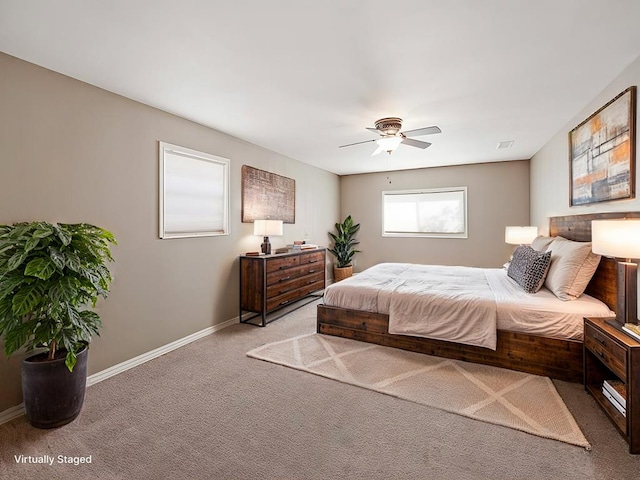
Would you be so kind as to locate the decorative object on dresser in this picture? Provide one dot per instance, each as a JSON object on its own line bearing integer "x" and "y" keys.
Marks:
{"x": 621, "y": 239}
{"x": 343, "y": 248}
{"x": 271, "y": 282}
{"x": 602, "y": 153}
{"x": 612, "y": 376}
{"x": 266, "y": 229}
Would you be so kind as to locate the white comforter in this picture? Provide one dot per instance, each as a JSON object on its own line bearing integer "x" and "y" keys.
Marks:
{"x": 461, "y": 304}
{"x": 446, "y": 303}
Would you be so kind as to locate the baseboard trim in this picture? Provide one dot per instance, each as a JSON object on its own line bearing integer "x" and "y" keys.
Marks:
{"x": 18, "y": 410}
{"x": 11, "y": 413}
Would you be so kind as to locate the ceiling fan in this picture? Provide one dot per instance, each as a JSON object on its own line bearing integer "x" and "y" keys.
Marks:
{"x": 389, "y": 129}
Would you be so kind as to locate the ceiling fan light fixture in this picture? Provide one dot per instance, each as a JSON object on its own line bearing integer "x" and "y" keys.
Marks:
{"x": 389, "y": 144}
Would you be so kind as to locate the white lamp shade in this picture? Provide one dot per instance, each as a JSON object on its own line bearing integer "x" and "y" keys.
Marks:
{"x": 616, "y": 238}
{"x": 389, "y": 143}
{"x": 520, "y": 235}
{"x": 267, "y": 228}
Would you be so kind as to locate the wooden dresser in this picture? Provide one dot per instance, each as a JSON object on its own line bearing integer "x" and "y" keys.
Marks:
{"x": 271, "y": 282}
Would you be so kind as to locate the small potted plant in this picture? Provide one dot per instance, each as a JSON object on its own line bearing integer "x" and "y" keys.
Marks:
{"x": 51, "y": 275}
{"x": 343, "y": 248}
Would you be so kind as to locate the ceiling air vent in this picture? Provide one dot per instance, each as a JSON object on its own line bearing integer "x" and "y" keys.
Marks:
{"x": 507, "y": 144}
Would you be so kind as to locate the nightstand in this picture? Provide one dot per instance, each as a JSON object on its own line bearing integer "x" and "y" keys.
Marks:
{"x": 611, "y": 355}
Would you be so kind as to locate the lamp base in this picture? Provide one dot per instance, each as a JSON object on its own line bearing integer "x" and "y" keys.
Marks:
{"x": 266, "y": 246}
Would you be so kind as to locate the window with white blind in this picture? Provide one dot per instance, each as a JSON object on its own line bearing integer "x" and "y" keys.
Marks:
{"x": 434, "y": 212}
{"x": 194, "y": 193}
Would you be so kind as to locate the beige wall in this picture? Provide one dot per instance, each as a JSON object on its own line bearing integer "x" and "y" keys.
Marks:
{"x": 497, "y": 196}
{"x": 550, "y": 165}
{"x": 75, "y": 153}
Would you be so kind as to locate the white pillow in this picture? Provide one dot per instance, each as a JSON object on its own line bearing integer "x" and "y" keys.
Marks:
{"x": 541, "y": 243}
{"x": 572, "y": 266}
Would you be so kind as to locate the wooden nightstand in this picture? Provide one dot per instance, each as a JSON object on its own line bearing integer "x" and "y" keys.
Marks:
{"x": 609, "y": 354}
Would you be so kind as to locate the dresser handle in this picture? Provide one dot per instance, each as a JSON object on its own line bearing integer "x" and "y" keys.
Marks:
{"x": 312, "y": 271}
{"x": 601, "y": 341}
{"x": 285, "y": 279}
{"x": 283, "y": 291}
{"x": 601, "y": 355}
{"x": 285, "y": 302}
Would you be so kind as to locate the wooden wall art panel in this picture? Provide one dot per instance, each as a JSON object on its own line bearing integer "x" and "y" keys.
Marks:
{"x": 266, "y": 195}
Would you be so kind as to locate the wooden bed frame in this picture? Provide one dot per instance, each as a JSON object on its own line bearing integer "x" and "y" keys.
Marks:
{"x": 560, "y": 359}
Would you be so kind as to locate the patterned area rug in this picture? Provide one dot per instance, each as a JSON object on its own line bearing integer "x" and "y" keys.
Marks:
{"x": 513, "y": 399}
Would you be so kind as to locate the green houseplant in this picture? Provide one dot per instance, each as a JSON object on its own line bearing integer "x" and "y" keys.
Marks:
{"x": 51, "y": 275}
{"x": 343, "y": 249}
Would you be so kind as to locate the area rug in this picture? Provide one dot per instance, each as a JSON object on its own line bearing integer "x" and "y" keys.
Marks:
{"x": 517, "y": 400}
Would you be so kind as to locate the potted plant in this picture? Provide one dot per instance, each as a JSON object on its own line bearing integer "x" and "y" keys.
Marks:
{"x": 51, "y": 275}
{"x": 343, "y": 248}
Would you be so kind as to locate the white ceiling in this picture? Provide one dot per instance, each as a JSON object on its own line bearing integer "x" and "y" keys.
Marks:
{"x": 301, "y": 77}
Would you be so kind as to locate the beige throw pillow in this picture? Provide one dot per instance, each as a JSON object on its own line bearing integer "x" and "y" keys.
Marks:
{"x": 541, "y": 243}
{"x": 572, "y": 266}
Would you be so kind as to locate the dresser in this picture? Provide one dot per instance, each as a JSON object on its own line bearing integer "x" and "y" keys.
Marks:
{"x": 272, "y": 282}
{"x": 612, "y": 356}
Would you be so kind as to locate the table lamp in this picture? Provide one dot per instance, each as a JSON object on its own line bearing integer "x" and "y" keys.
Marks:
{"x": 266, "y": 228}
{"x": 620, "y": 239}
{"x": 520, "y": 235}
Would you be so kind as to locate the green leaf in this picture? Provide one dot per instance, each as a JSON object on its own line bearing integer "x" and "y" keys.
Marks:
{"x": 43, "y": 231}
{"x": 57, "y": 258}
{"x": 16, "y": 260}
{"x": 63, "y": 234}
{"x": 71, "y": 359}
{"x": 64, "y": 290}
{"x": 41, "y": 267}
{"x": 31, "y": 244}
{"x": 26, "y": 299}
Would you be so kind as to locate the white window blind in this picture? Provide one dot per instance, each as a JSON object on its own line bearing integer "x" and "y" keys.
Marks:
{"x": 437, "y": 212}
{"x": 194, "y": 193}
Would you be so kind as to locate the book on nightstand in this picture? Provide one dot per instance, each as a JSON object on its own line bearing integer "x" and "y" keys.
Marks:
{"x": 632, "y": 329}
{"x": 614, "y": 402}
{"x": 618, "y": 390}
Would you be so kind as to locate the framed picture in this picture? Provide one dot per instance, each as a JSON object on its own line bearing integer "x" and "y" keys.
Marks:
{"x": 602, "y": 153}
{"x": 267, "y": 196}
{"x": 194, "y": 193}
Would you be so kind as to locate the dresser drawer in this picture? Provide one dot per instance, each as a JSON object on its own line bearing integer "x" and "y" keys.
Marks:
{"x": 314, "y": 257}
{"x": 287, "y": 286}
{"x": 612, "y": 354}
{"x": 276, "y": 264}
{"x": 280, "y": 276}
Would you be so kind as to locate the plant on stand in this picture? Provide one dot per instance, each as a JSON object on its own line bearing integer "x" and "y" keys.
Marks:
{"x": 51, "y": 276}
{"x": 343, "y": 248}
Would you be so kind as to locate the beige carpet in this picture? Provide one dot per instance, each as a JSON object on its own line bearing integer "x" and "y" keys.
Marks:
{"x": 516, "y": 400}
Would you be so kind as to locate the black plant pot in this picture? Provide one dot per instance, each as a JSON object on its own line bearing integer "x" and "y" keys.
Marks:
{"x": 53, "y": 396}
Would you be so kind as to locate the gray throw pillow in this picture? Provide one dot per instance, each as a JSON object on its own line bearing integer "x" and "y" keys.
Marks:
{"x": 529, "y": 268}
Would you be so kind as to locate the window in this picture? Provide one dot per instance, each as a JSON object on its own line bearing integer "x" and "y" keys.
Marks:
{"x": 434, "y": 212}
{"x": 194, "y": 193}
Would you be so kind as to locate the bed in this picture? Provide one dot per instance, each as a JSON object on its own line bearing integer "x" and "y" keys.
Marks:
{"x": 540, "y": 354}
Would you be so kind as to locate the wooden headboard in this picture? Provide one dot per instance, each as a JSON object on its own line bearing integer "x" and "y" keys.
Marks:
{"x": 604, "y": 284}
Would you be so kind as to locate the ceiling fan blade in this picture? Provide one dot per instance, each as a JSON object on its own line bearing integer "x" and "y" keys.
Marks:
{"x": 415, "y": 143}
{"x": 372, "y": 129}
{"x": 379, "y": 150}
{"x": 357, "y": 143}
{"x": 422, "y": 131}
